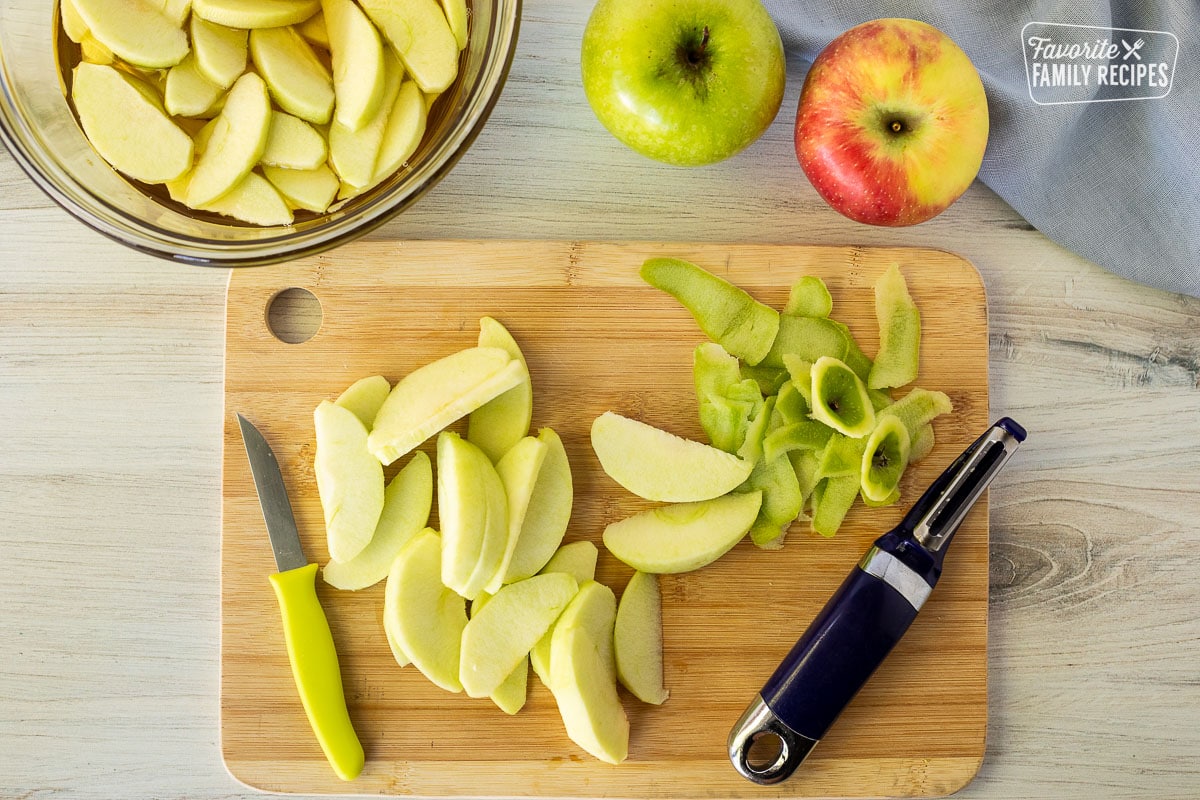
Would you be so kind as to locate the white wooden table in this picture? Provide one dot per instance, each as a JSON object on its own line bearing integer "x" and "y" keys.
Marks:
{"x": 110, "y": 401}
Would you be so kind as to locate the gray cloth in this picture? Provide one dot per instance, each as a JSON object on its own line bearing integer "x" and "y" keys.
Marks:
{"x": 1116, "y": 182}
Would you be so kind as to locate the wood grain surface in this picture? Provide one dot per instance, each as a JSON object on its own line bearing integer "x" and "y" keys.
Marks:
{"x": 596, "y": 338}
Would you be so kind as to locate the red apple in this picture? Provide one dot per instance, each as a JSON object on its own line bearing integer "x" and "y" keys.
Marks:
{"x": 892, "y": 123}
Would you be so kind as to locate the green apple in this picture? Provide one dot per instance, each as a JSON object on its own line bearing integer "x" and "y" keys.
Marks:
{"x": 293, "y": 144}
{"x": 365, "y": 397}
{"x": 349, "y": 480}
{"x": 238, "y": 140}
{"x": 684, "y": 536}
{"x": 137, "y": 32}
{"x": 161, "y": 152}
{"x": 406, "y": 505}
{"x": 357, "y": 55}
{"x": 577, "y": 559}
{"x": 473, "y": 510}
{"x": 73, "y": 24}
{"x": 638, "y": 639}
{"x": 315, "y": 31}
{"x": 298, "y": 80}
{"x": 253, "y": 200}
{"x": 510, "y": 695}
{"x": 548, "y": 512}
{"x": 504, "y": 421}
{"x": 428, "y": 618}
{"x": 457, "y": 18}
{"x": 518, "y": 471}
{"x": 421, "y": 36}
{"x": 809, "y": 297}
{"x": 354, "y": 153}
{"x": 437, "y": 394}
{"x": 220, "y": 52}
{"x": 255, "y": 13}
{"x": 310, "y": 189}
{"x": 657, "y": 465}
{"x": 831, "y": 500}
{"x": 501, "y": 633}
{"x": 687, "y": 82}
{"x": 899, "y": 332}
{"x": 402, "y": 134}
{"x": 187, "y": 92}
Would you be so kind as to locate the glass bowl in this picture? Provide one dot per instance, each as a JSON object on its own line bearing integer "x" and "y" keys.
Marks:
{"x": 38, "y": 128}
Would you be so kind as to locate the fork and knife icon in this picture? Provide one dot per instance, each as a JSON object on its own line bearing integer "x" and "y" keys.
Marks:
{"x": 1132, "y": 50}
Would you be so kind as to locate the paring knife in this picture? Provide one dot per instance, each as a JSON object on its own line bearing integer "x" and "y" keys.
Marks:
{"x": 864, "y": 619}
{"x": 305, "y": 627}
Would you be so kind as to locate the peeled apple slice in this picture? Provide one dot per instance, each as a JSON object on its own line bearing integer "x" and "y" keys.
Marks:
{"x": 435, "y": 395}
{"x": 220, "y": 52}
{"x": 885, "y": 459}
{"x": 428, "y": 618}
{"x": 188, "y": 93}
{"x": 456, "y": 17}
{"x": 73, "y": 24}
{"x": 357, "y": 53}
{"x": 657, "y": 465}
{"x": 577, "y": 559}
{"x": 135, "y": 31}
{"x": 255, "y": 13}
{"x": 354, "y": 153}
{"x": 238, "y": 139}
{"x": 406, "y": 504}
{"x": 500, "y": 423}
{"x": 839, "y": 398}
{"x": 403, "y": 133}
{"x": 684, "y": 536}
{"x": 314, "y": 30}
{"x": 310, "y": 189}
{"x": 518, "y": 471}
{"x": 638, "y": 639}
{"x": 298, "y": 81}
{"x": 253, "y": 200}
{"x": 349, "y": 480}
{"x": 899, "y": 332}
{"x": 293, "y": 144}
{"x": 510, "y": 695}
{"x": 365, "y": 397}
{"x": 473, "y": 510}
{"x": 161, "y": 152}
{"x": 421, "y": 36}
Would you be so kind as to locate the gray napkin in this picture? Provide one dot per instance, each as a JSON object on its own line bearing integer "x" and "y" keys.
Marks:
{"x": 1115, "y": 180}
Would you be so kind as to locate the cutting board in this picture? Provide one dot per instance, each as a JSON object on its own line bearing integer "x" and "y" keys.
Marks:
{"x": 596, "y": 338}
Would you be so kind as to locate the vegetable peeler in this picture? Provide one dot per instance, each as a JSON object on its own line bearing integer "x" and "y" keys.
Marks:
{"x": 865, "y": 617}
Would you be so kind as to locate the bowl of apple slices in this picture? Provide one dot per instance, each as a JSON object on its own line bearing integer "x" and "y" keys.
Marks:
{"x": 244, "y": 132}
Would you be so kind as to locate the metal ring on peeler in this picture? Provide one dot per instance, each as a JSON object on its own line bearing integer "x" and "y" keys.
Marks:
{"x": 757, "y": 722}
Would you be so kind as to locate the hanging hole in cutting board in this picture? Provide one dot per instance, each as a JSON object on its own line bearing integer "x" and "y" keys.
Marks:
{"x": 294, "y": 315}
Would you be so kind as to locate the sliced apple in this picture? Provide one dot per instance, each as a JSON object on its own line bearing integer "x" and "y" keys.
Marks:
{"x": 237, "y": 143}
{"x": 657, "y": 465}
{"x": 220, "y": 51}
{"x": 310, "y": 189}
{"x": 365, "y": 397}
{"x": 500, "y": 423}
{"x": 583, "y": 676}
{"x": 314, "y": 30}
{"x": 406, "y": 504}
{"x": 293, "y": 144}
{"x": 502, "y": 633}
{"x": 685, "y": 536}
{"x": 93, "y": 51}
{"x": 188, "y": 93}
{"x": 174, "y": 10}
{"x": 73, "y": 24}
{"x": 135, "y": 31}
{"x": 435, "y": 395}
{"x": 298, "y": 80}
{"x": 389, "y": 612}
{"x": 548, "y": 513}
{"x": 420, "y": 35}
{"x": 160, "y": 152}
{"x": 357, "y": 53}
{"x": 577, "y": 559}
{"x": 510, "y": 695}
{"x": 638, "y": 639}
{"x": 252, "y": 14}
{"x": 474, "y": 514}
{"x": 252, "y": 200}
{"x": 518, "y": 471}
{"x": 429, "y": 618}
{"x": 349, "y": 480}
{"x": 353, "y": 153}
{"x": 456, "y": 18}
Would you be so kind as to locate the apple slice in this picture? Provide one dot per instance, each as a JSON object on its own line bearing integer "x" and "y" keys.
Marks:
{"x": 160, "y": 152}
{"x": 220, "y": 51}
{"x": 188, "y": 93}
{"x": 406, "y": 504}
{"x": 293, "y": 144}
{"x": 174, "y": 10}
{"x": 357, "y": 53}
{"x": 314, "y": 30}
{"x": 638, "y": 639}
{"x": 421, "y": 36}
{"x": 583, "y": 675}
{"x": 429, "y": 618}
{"x": 548, "y": 513}
{"x": 474, "y": 515}
{"x": 237, "y": 143}
{"x": 354, "y": 153}
{"x": 349, "y": 481}
{"x": 73, "y": 24}
{"x": 310, "y": 189}
{"x": 685, "y": 536}
{"x": 456, "y": 18}
{"x": 390, "y": 609}
{"x": 899, "y": 332}
{"x": 298, "y": 80}
{"x": 255, "y": 13}
{"x": 135, "y": 31}
{"x": 253, "y": 200}
{"x": 657, "y": 465}
{"x": 510, "y": 695}
{"x": 518, "y": 471}
{"x": 435, "y": 395}
{"x": 500, "y": 423}
{"x": 365, "y": 397}
{"x": 726, "y": 314}
{"x": 501, "y": 634}
{"x": 92, "y": 51}
{"x": 577, "y": 559}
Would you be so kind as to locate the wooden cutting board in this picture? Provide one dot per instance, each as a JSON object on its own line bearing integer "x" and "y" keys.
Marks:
{"x": 596, "y": 338}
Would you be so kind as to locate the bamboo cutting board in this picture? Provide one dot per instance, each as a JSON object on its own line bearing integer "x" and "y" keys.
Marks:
{"x": 596, "y": 338}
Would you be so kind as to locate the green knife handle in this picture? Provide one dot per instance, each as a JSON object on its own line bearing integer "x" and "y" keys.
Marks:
{"x": 315, "y": 668}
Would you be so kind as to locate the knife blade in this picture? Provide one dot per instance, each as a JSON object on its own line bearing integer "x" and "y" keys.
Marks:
{"x": 305, "y": 627}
